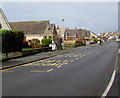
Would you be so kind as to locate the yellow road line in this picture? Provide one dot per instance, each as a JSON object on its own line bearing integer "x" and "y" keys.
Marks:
{"x": 76, "y": 58}
{"x": 11, "y": 68}
{"x": 59, "y": 66}
{"x": 65, "y": 61}
{"x": 7, "y": 71}
{"x": 59, "y": 61}
{"x": 71, "y": 60}
{"x": 49, "y": 70}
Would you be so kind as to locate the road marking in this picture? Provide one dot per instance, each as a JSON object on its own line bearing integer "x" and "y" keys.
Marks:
{"x": 7, "y": 71}
{"x": 71, "y": 60}
{"x": 76, "y": 58}
{"x": 65, "y": 61}
{"x": 59, "y": 66}
{"x": 109, "y": 85}
{"x": 10, "y": 68}
{"x": 49, "y": 70}
{"x": 59, "y": 61}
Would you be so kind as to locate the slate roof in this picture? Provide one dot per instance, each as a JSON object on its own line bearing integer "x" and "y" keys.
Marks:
{"x": 30, "y": 27}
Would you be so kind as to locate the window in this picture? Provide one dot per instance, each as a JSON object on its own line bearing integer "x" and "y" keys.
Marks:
{"x": 50, "y": 36}
{"x": 45, "y": 37}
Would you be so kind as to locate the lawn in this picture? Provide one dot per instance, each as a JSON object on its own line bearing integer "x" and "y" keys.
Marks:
{"x": 24, "y": 49}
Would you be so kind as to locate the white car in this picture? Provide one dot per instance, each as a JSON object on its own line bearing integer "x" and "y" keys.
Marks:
{"x": 118, "y": 39}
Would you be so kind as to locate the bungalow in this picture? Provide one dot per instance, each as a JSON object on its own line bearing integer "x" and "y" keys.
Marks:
{"x": 76, "y": 34}
{"x": 35, "y": 29}
{"x": 70, "y": 34}
{"x": 4, "y": 24}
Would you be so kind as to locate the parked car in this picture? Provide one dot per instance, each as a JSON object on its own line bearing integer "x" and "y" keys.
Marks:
{"x": 118, "y": 39}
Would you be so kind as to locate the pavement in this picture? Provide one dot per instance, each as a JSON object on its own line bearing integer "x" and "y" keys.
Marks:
{"x": 81, "y": 72}
{"x": 39, "y": 56}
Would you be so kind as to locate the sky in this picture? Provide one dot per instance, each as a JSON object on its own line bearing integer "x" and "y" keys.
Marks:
{"x": 94, "y": 16}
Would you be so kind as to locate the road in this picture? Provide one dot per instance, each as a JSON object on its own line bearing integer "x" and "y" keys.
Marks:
{"x": 79, "y": 73}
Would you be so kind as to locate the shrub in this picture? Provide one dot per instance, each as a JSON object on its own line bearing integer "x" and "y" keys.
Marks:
{"x": 35, "y": 43}
{"x": 80, "y": 42}
{"x": 46, "y": 42}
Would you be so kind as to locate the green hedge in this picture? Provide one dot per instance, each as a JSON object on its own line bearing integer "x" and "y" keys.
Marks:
{"x": 12, "y": 40}
{"x": 46, "y": 42}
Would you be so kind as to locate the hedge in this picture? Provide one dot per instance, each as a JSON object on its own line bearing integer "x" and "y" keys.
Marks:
{"x": 46, "y": 42}
{"x": 12, "y": 41}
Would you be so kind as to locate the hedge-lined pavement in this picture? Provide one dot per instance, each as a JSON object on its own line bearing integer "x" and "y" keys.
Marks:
{"x": 35, "y": 57}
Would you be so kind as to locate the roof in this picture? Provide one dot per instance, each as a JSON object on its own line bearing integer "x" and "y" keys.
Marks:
{"x": 80, "y": 31}
{"x": 30, "y": 27}
{"x": 71, "y": 32}
{"x": 4, "y": 22}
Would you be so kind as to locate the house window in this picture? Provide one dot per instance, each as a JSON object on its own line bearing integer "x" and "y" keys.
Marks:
{"x": 50, "y": 36}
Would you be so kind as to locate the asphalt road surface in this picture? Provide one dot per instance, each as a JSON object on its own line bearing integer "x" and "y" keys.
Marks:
{"x": 79, "y": 73}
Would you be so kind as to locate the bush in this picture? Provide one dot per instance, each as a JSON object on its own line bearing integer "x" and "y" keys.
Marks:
{"x": 80, "y": 42}
{"x": 12, "y": 41}
{"x": 35, "y": 43}
{"x": 46, "y": 42}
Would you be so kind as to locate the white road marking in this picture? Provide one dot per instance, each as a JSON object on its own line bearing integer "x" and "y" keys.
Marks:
{"x": 109, "y": 85}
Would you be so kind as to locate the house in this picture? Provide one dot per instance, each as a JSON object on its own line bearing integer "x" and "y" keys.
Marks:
{"x": 76, "y": 34}
{"x": 4, "y": 24}
{"x": 93, "y": 35}
{"x": 35, "y": 29}
{"x": 70, "y": 34}
{"x": 51, "y": 32}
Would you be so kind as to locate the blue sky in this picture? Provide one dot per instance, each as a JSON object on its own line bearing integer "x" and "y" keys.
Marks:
{"x": 97, "y": 17}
